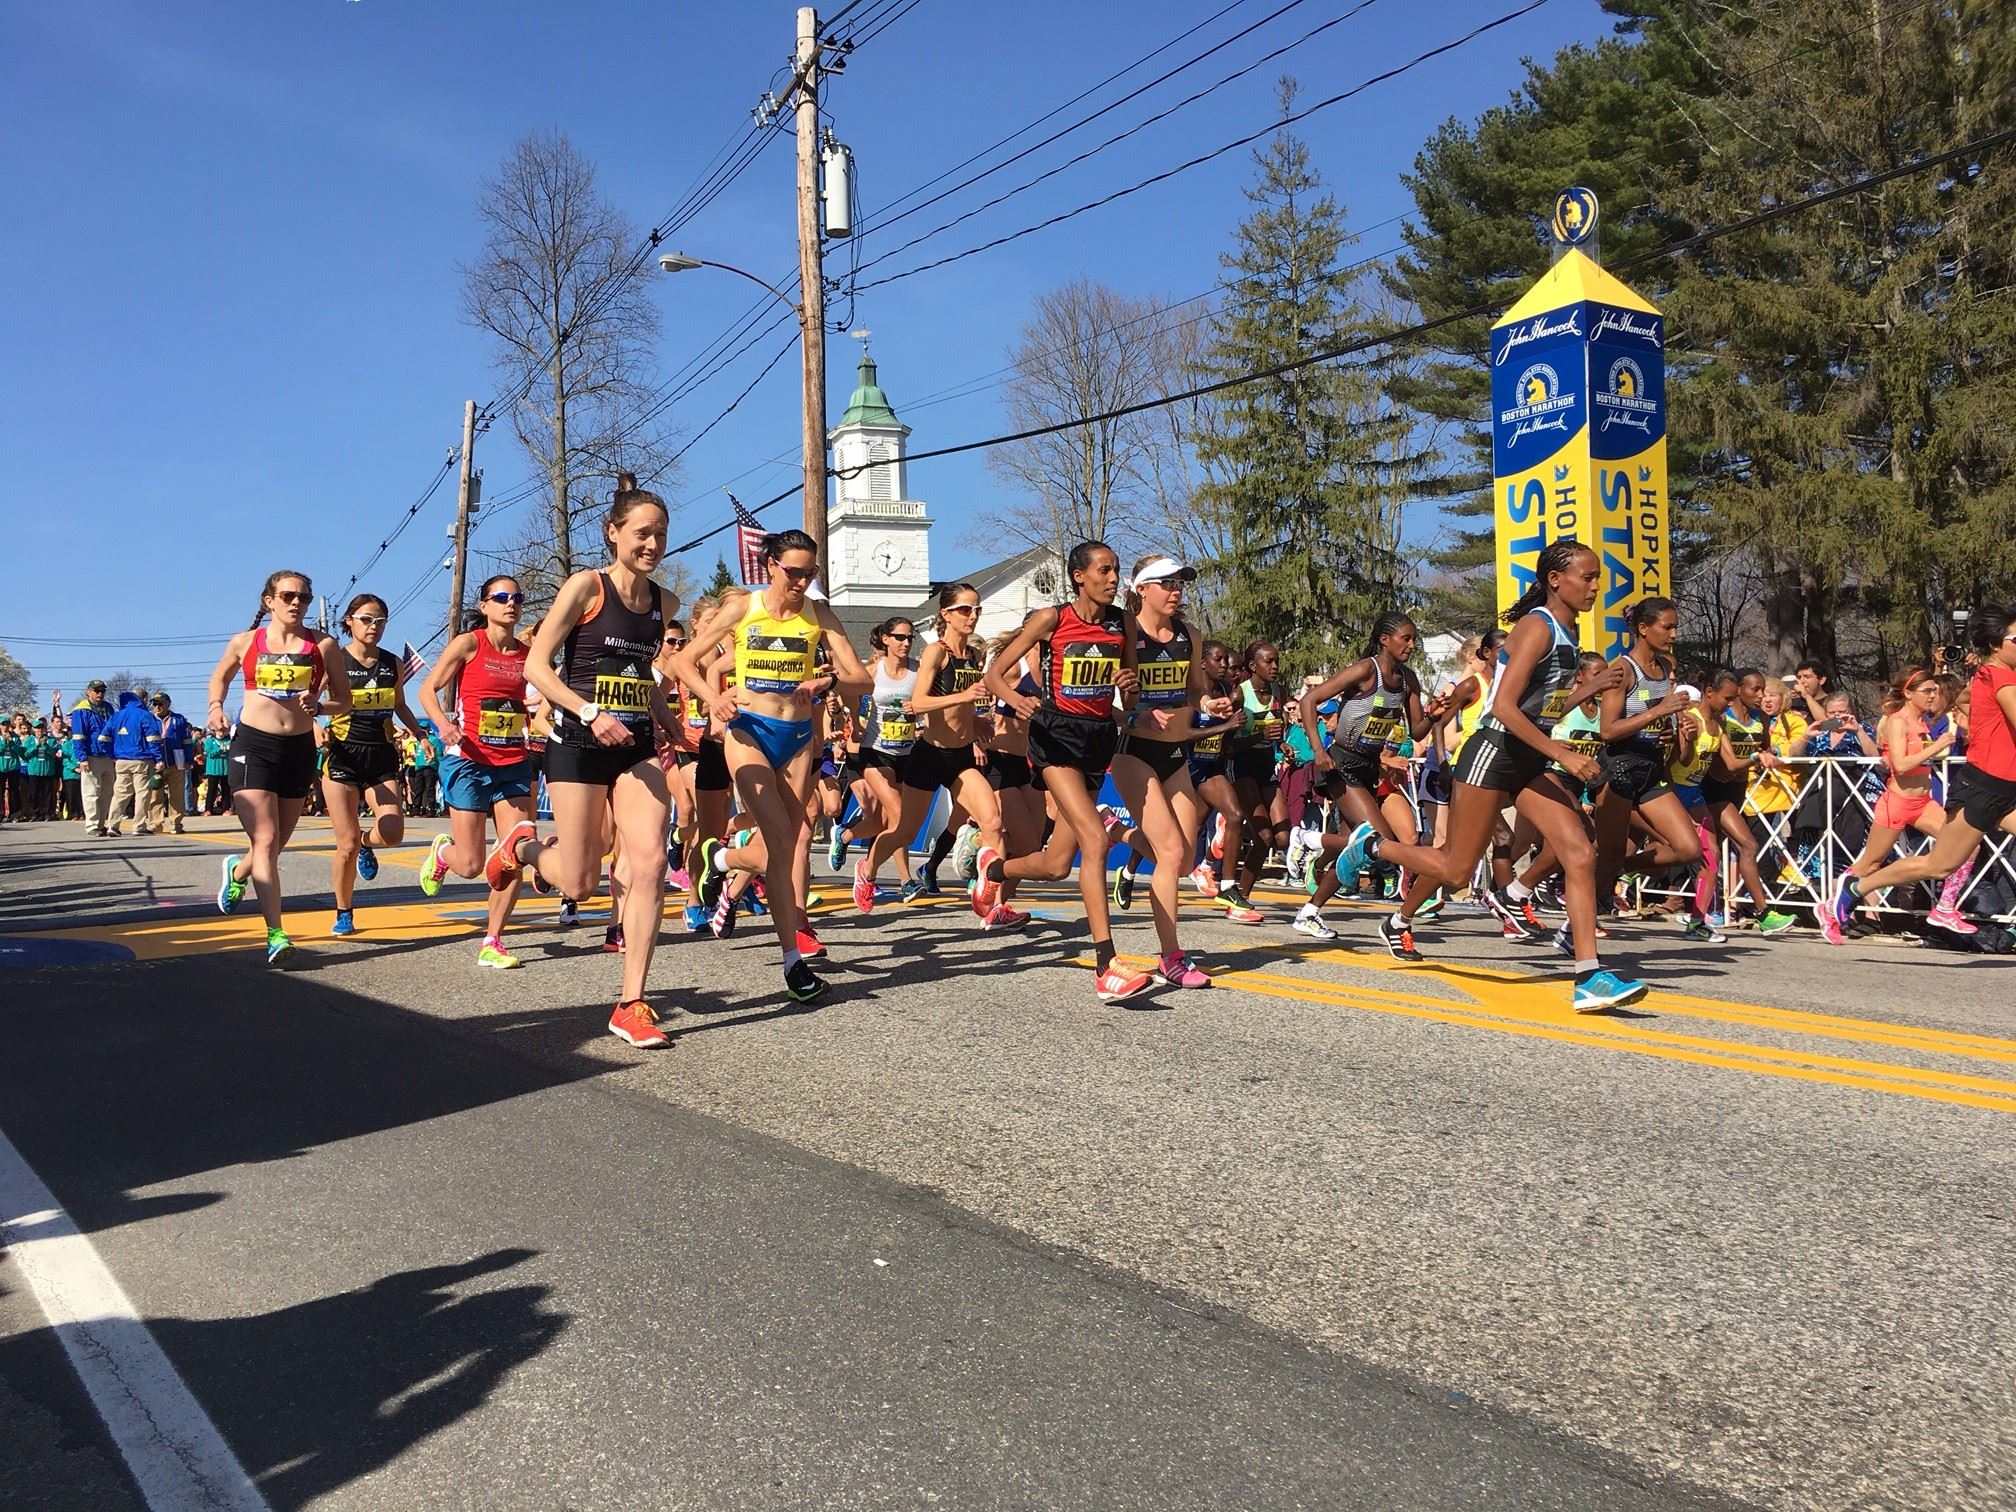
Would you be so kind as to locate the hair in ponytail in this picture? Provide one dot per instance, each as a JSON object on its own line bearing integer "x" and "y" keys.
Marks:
{"x": 947, "y": 597}
{"x": 1389, "y": 623}
{"x": 1649, "y": 611}
{"x": 780, "y": 541}
{"x": 273, "y": 581}
{"x": 1554, "y": 559}
{"x": 628, "y": 497}
{"x": 878, "y": 638}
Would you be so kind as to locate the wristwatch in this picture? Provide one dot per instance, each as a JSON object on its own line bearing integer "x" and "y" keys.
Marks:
{"x": 588, "y": 712}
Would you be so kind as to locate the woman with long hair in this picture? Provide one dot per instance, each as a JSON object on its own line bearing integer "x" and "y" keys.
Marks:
{"x": 363, "y": 758}
{"x": 283, "y": 668}
{"x": 769, "y": 734}
{"x": 486, "y": 765}
{"x": 1912, "y": 747}
{"x": 1510, "y": 758}
{"x": 1087, "y": 664}
{"x": 604, "y": 630}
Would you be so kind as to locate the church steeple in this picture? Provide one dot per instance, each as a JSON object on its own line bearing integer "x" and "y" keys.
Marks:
{"x": 879, "y": 538}
{"x": 869, "y": 405}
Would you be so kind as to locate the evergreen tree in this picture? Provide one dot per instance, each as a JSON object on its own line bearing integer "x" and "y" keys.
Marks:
{"x": 723, "y": 580}
{"x": 1306, "y": 468}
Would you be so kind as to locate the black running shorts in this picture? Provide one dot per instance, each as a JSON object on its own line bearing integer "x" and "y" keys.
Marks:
{"x": 1358, "y": 769}
{"x": 931, "y": 767}
{"x": 262, "y": 762}
{"x": 362, "y": 763}
{"x": 1981, "y": 799}
{"x": 1163, "y": 758}
{"x": 1085, "y": 745}
{"x": 596, "y": 765}
{"x": 1255, "y": 764}
{"x": 1495, "y": 759}
{"x": 1637, "y": 775}
{"x": 892, "y": 762}
{"x": 1718, "y": 790}
{"x": 710, "y": 767}
{"x": 1007, "y": 770}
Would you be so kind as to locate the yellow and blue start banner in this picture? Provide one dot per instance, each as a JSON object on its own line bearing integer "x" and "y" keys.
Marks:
{"x": 1578, "y": 438}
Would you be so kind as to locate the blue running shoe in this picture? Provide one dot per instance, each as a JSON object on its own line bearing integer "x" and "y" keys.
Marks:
{"x": 1353, "y": 859}
{"x": 1839, "y": 913}
{"x": 913, "y": 890}
{"x": 344, "y": 925}
{"x": 232, "y": 893}
{"x": 696, "y": 918}
{"x": 367, "y": 863}
{"x": 1606, "y": 989}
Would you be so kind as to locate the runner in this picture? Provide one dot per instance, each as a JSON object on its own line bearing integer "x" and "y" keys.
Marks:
{"x": 1509, "y": 758}
{"x": 1256, "y": 758}
{"x": 888, "y": 735}
{"x": 283, "y": 669}
{"x": 1726, "y": 786}
{"x": 947, "y": 753}
{"x": 602, "y": 776}
{"x": 1911, "y": 749}
{"x": 486, "y": 769}
{"x": 1087, "y": 650}
{"x": 1023, "y": 807}
{"x": 363, "y": 757}
{"x": 1211, "y": 773}
{"x": 1639, "y": 725}
{"x": 770, "y": 735}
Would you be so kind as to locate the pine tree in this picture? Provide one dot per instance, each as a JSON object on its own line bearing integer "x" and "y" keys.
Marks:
{"x": 722, "y": 581}
{"x": 1307, "y": 467}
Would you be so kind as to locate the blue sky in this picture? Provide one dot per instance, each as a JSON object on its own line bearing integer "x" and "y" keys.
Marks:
{"x": 235, "y": 228}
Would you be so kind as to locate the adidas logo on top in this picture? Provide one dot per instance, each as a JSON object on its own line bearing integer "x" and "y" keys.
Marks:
{"x": 779, "y": 644}
{"x": 630, "y": 670}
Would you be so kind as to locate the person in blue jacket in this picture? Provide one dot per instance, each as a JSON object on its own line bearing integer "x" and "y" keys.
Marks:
{"x": 136, "y": 760}
{"x": 91, "y": 749}
{"x": 177, "y": 755}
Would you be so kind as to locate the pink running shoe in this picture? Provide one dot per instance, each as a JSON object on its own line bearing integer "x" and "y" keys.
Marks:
{"x": 1179, "y": 971}
{"x": 864, "y": 887}
{"x": 1004, "y": 917}
{"x": 1949, "y": 919}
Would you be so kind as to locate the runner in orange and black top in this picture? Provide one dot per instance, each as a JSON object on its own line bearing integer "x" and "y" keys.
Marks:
{"x": 283, "y": 670}
{"x": 1087, "y": 650}
{"x": 362, "y": 756}
{"x": 605, "y": 629}
{"x": 486, "y": 769}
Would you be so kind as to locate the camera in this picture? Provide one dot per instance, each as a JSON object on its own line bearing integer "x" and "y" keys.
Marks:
{"x": 1952, "y": 655}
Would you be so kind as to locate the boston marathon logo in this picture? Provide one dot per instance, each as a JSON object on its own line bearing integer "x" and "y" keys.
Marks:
{"x": 1540, "y": 405}
{"x": 1622, "y": 399}
{"x": 1539, "y": 328}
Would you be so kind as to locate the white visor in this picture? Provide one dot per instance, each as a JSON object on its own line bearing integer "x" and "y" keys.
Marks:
{"x": 1163, "y": 568}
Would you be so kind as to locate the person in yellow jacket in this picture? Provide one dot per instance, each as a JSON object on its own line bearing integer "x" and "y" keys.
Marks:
{"x": 1774, "y": 791}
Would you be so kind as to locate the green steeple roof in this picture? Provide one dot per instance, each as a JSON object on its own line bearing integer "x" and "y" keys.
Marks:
{"x": 869, "y": 406}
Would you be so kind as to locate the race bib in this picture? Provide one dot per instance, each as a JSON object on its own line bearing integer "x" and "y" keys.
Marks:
{"x": 1557, "y": 705}
{"x": 372, "y": 700}
{"x": 1210, "y": 745}
{"x": 283, "y": 674}
{"x": 500, "y": 722}
{"x": 1089, "y": 676}
{"x": 623, "y": 687}
{"x": 1382, "y": 728}
{"x": 1164, "y": 682}
{"x": 772, "y": 663}
{"x": 696, "y": 714}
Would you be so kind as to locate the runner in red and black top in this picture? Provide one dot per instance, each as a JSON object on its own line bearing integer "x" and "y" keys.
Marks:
{"x": 606, "y": 628}
{"x": 1087, "y": 661}
{"x": 486, "y": 765}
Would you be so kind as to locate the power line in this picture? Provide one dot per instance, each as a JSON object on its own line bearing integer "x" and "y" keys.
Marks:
{"x": 875, "y": 28}
{"x": 454, "y": 456}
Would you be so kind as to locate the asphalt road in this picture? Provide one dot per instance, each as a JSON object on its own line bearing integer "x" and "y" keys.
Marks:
{"x": 1334, "y": 1233}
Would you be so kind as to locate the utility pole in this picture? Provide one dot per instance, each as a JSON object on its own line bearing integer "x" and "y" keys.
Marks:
{"x": 458, "y": 576}
{"x": 812, "y": 280}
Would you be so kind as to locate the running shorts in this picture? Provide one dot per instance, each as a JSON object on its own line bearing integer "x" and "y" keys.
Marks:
{"x": 1722, "y": 790}
{"x": 931, "y": 767}
{"x": 1898, "y": 809}
{"x": 1495, "y": 759}
{"x": 872, "y": 760}
{"x": 1636, "y": 775}
{"x": 1254, "y": 764}
{"x": 1163, "y": 758}
{"x": 262, "y": 762}
{"x": 1085, "y": 744}
{"x": 1980, "y": 798}
{"x": 362, "y": 763}
{"x": 1007, "y": 770}
{"x": 476, "y": 787}
{"x": 710, "y": 767}
{"x": 1204, "y": 768}
{"x": 591, "y": 766}
{"x": 1358, "y": 770}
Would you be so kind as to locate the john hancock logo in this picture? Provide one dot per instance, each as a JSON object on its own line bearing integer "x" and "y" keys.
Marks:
{"x": 1540, "y": 405}
{"x": 1622, "y": 399}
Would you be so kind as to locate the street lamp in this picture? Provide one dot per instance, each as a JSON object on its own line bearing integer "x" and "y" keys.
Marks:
{"x": 811, "y": 335}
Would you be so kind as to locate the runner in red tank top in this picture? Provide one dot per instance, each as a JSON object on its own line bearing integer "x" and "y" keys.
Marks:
{"x": 486, "y": 765}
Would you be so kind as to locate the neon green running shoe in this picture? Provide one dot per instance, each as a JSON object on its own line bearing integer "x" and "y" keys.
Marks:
{"x": 497, "y": 958}
{"x": 434, "y": 868}
{"x": 278, "y": 947}
{"x": 1775, "y": 922}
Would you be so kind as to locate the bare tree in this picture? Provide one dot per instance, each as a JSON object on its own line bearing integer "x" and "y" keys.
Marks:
{"x": 559, "y": 286}
{"x": 1086, "y": 349}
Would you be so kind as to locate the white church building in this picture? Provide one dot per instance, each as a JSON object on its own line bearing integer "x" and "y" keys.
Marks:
{"x": 878, "y": 538}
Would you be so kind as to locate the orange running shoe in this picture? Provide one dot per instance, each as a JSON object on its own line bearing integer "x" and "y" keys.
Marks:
{"x": 636, "y": 1024}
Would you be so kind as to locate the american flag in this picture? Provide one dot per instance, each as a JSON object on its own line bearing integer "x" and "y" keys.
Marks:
{"x": 410, "y": 661}
{"x": 749, "y": 535}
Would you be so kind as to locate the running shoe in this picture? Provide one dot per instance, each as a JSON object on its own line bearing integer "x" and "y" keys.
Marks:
{"x": 344, "y": 925}
{"x": 912, "y": 890}
{"x": 864, "y": 887}
{"x": 367, "y": 863}
{"x": 232, "y": 893}
{"x": 540, "y": 885}
{"x": 502, "y": 863}
{"x": 753, "y": 900}
{"x": 612, "y": 940}
{"x": 1432, "y": 905}
{"x": 1701, "y": 932}
{"x": 1399, "y": 937}
{"x": 1718, "y": 921}
{"x": 1774, "y": 922}
{"x": 570, "y": 913}
{"x": 1004, "y": 917}
{"x": 966, "y": 852}
{"x": 1547, "y": 898}
{"x": 1837, "y": 914}
{"x": 927, "y": 883}
{"x": 1180, "y": 971}
{"x": 722, "y": 920}
{"x": 1514, "y": 926}
{"x": 1117, "y": 983}
{"x": 810, "y": 946}
{"x": 1115, "y": 825}
{"x": 1948, "y": 919}
{"x": 1296, "y": 875}
{"x": 1123, "y": 888}
{"x": 836, "y": 848}
{"x": 497, "y": 958}
{"x": 1311, "y": 923}
{"x": 986, "y": 891}
{"x": 1606, "y": 989}
{"x": 801, "y": 983}
{"x": 707, "y": 885}
{"x": 696, "y": 918}
{"x": 1218, "y": 839}
{"x": 1301, "y": 841}
{"x": 1353, "y": 859}
{"x": 1389, "y": 886}
{"x": 1243, "y": 914}
{"x": 435, "y": 867}
{"x": 278, "y": 947}
{"x": 636, "y": 1024}
{"x": 677, "y": 878}
{"x": 1205, "y": 881}
{"x": 1531, "y": 916}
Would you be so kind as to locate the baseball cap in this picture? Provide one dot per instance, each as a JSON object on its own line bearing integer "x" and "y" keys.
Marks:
{"x": 96, "y": 685}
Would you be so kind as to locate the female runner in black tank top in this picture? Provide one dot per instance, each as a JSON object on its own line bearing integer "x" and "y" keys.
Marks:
{"x": 601, "y": 771}
{"x": 362, "y": 757}
{"x": 1637, "y": 715}
{"x": 1088, "y": 666}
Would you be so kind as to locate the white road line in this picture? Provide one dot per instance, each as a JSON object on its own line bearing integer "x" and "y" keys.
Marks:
{"x": 175, "y": 1452}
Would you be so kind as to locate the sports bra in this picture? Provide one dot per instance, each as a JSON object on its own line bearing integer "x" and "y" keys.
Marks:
{"x": 1746, "y": 737}
{"x": 773, "y": 654}
{"x": 282, "y": 675}
{"x": 1646, "y": 690}
{"x": 1264, "y": 724}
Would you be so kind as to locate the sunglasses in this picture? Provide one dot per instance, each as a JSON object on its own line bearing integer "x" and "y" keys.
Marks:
{"x": 798, "y": 574}
{"x": 369, "y": 619}
{"x": 501, "y": 597}
{"x": 963, "y": 609}
{"x": 290, "y": 596}
{"x": 893, "y": 636}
